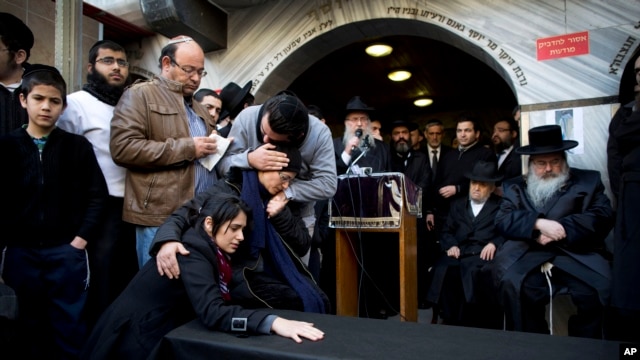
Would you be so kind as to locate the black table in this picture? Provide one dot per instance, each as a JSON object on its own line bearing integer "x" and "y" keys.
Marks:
{"x": 361, "y": 338}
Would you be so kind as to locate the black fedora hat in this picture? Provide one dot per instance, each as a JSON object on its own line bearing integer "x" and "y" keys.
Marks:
{"x": 408, "y": 124}
{"x": 484, "y": 171}
{"x": 232, "y": 96}
{"x": 546, "y": 139}
{"x": 356, "y": 104}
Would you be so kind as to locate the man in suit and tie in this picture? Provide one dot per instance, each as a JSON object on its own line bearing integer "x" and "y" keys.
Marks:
{"x": 433, "y": 132}
{"x": 505, "y": 137}
{"x": 435, "y": 150}
{"x": 469, "y": 240}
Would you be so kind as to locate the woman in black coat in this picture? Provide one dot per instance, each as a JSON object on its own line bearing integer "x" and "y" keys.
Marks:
{"x": 265, "y": 277}
{"x": 152, "y": 305}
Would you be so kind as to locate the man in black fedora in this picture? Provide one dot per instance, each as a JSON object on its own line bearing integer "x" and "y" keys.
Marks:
{"x": 234, "y": 99}
{"x": 358, "y": 138}
{"x": 555, "y": 220}
{"x": 469, "y": 240}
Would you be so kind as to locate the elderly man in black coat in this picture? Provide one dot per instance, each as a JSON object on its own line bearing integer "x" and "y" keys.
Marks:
{"x": 469, "y": 240}
{"x": 357, "y": 149}
{"x": 555, "y": 221}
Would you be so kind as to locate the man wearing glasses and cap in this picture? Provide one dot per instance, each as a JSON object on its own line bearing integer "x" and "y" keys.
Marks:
{"x": 555, "y": 220}
{"x": 160, "y": 135}
{"x": 88, "y": 113}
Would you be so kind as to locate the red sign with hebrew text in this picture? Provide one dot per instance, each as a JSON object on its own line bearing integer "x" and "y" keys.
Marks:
{"x": 563, "y": 46}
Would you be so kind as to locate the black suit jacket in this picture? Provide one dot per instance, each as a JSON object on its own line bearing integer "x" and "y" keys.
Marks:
{"x": 471, "y": 234}
{"x": 511, "y": 166}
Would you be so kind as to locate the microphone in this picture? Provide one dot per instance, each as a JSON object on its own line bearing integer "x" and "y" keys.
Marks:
{"x": 366, "y": 141}
{"x": 359, "y": 135}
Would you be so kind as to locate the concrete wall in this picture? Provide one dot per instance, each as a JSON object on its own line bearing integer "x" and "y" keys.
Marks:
{"x": 39, "y": 15}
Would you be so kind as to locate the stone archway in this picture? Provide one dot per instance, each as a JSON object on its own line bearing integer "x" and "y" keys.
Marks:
{"x": 306, "y": 55}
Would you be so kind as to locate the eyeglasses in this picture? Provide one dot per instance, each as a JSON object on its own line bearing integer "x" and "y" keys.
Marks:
{"x": 190, "y": 71}
{"x": 110, "y": 61}
{"x": 356, "y": 119}
{"x": 284, "y": 177}
{"x": 5, "y": 49}
{"x": 542, "y": 164}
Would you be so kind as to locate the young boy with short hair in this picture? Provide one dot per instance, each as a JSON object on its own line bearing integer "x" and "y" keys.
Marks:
{"x": 53, "y": 194}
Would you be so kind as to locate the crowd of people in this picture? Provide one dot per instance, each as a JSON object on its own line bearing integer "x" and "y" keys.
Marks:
{"x": 127, "y": 229}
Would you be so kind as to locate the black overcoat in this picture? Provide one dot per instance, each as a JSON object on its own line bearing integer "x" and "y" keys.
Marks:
{"x": 624, "y": 174}
{"x": 377, "y": 158}
{"x": 152, "y": 305}
{"x": 584, "y": 211}
{"x": 471, "y": 235}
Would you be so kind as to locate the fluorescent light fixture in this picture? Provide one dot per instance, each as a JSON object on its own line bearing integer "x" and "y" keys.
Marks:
{"x": 378, "y": 50}
{"x": 399, "y": 75}
{"x": 423, "y": 102}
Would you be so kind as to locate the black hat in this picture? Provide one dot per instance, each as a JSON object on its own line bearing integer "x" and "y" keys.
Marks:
{"x": 484, "y": 171}
{"x": 293, "y": 154}
{"x": 356, "y": 104}
{"x": 20, "y": 33}
{"x": 546, "y": 139}
{"x": 232, "y": 97}
{"x": 34, "y": 68}
{"x": 408, "y": 124}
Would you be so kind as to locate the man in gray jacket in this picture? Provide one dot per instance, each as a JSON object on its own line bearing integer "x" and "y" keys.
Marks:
{"x": 281, "y": 119}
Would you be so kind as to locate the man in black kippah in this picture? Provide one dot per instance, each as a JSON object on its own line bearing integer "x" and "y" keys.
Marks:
{"x": 257, "y": 130}
{"x": 16, "y": 41}
{"x": 283, "y": 119}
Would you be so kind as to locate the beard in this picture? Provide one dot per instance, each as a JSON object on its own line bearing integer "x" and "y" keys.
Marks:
{"x": 366, "y": 136}
{"x": 101, "y": 85}
{"x": 503, "y": 145}
{"x": 402, "y": 147}
{"x": 541, "y": 188}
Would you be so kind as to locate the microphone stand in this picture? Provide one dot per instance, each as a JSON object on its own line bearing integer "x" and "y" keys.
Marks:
{"x": 364, "y": 151}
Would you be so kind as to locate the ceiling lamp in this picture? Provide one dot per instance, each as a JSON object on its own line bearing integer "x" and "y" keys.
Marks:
{"x": 399, "y": 75}
{"x": 378, "y": 50}
{"x": 423, "y": 102}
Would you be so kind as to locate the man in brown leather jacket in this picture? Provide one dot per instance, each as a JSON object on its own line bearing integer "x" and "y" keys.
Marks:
{"x": 159, "y": 134}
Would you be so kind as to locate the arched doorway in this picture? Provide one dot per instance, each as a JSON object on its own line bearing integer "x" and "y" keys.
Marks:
{"x": 457, "y": 74}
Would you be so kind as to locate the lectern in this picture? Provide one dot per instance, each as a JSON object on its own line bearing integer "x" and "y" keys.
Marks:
{"x": 378, "y": 202}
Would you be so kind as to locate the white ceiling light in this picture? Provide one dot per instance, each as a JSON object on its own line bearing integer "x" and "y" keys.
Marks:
{"x": 423, "y": 102}
{"x": 399, "y": 75}
{"x": 378, "y": 50}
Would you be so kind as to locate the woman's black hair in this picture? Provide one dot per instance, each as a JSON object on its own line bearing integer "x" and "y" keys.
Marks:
{"x": 221, "y": 207}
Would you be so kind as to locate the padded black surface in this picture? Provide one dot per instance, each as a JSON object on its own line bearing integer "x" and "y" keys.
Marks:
{"x": 361, "y": 338}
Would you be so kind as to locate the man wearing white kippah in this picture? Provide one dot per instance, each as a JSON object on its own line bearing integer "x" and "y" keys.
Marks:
{"x": 161, "y": 136}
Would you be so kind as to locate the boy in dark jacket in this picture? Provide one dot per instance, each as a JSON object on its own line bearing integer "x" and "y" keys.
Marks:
{"x": 54, "y": 192}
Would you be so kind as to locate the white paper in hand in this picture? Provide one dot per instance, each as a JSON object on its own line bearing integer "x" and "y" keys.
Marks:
{"x": 211, "y": 160}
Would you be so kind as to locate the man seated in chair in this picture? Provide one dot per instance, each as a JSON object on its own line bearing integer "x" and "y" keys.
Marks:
{"x": 469, "y": 240}
{"x": 555, "y": 220}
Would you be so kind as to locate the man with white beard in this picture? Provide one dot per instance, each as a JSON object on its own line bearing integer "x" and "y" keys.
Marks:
{"x": 358, "y": 138}
{"x": 555, "y": 221}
